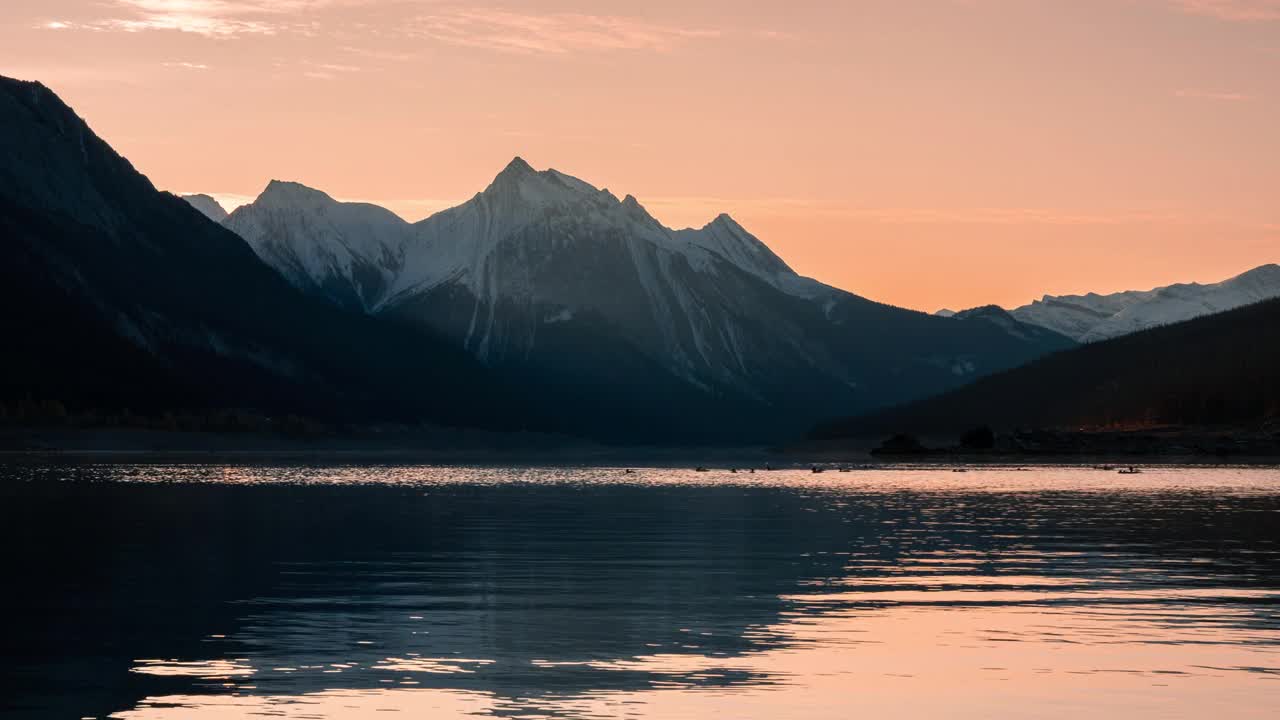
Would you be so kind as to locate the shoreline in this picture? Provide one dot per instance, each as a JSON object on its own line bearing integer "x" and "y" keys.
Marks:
{"x": 466, "y": 447}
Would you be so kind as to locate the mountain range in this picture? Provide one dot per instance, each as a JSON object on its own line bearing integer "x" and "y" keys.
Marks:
{"x": 565, "y": 288}
{"x": 542, "y": 302}
{"x": 1093, "y": 317}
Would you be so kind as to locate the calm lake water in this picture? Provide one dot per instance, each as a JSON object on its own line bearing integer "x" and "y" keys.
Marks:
{"x": 225, "y": 591}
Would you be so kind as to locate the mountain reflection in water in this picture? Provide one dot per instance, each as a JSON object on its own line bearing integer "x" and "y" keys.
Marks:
{"x": 193, "y": 591}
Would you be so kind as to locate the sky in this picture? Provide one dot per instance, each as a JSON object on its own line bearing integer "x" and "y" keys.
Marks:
{"x": 925, "y": 153}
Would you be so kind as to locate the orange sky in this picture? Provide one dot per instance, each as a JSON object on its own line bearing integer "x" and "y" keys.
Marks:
{"x": 927, "y": 153}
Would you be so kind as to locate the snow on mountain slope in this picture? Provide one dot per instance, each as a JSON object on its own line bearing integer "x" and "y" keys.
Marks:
{"x": 355, "y": 250}
{"x": 1092, "y": 317}
{"x": 537, "y": 245}
{"x": 455, "y": 243}
{"x": 725, "y": 237}
{"x": 208, "y": 206}
{"x": 347, "y": 251}
{"x": 571, "y": 288}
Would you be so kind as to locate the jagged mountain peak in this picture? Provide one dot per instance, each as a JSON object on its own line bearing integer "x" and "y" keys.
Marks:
{"x": 514, "y": 173}
{"x": 521, "y": 194}
{"x": 520, "y": 185}
{"x": 632, "y": 208}
{"x": 725, "y": 238}
{"x": 725, "y": 223}
{"x": 520, "y": 171}
{"x": 518, "y": 166}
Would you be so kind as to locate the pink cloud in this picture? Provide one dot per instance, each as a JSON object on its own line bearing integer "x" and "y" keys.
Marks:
{"x": 210, "y": 18}
{"x": 556, "y": 33}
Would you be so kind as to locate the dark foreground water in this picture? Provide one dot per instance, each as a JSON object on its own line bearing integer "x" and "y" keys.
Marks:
{"x": 210, "y": 591}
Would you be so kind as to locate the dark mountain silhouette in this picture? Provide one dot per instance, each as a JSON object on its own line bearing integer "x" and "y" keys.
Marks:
{"x": 119, "y": 296}
{"x": 1216, "y": 370}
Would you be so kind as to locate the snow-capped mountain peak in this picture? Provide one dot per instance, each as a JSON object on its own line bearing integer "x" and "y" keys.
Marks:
{"x": 354, "y": 249}
{"x": 730, "y": 240}
{"x": 519, "y": 183}
{"x": 521, "y": 201}
{"x": 726, "y": 238}
{"x": 318, "y": 241}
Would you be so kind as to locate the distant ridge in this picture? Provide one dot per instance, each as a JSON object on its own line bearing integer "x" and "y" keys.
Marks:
{"x": 207, "y": 205}
{"x": 1093, "y": 317}
{"x": 1216, "y": 370}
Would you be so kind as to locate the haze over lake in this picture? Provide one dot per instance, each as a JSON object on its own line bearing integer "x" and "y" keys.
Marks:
{"x": 219, "y": 591}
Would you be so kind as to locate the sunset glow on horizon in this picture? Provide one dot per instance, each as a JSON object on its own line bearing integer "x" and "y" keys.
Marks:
{"x": 931, "y": 153}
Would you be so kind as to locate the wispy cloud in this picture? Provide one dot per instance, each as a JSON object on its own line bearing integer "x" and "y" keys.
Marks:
{"x": 378, "y": 53}
{"x": 327, "y": 71}
{"x": 1193, "y": 93}
{"x": 488, "y": 28}
{"x": 185, "y": 65}
{"x": 334, "y": 67}
{"x": 1233, "y": 10}
{"x": 210, "y": 18}
{"x": 551, "y": 34}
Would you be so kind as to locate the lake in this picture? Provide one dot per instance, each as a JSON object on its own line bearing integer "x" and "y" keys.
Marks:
{"x": 149, "y": 591}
